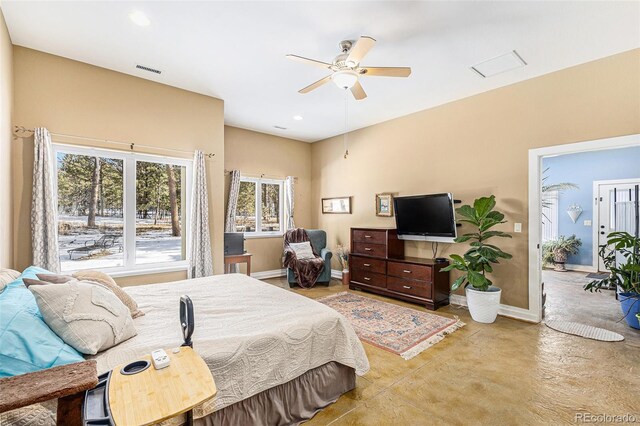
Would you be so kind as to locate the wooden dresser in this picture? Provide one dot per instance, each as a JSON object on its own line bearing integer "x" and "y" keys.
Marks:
{"x": 377, "y": 264}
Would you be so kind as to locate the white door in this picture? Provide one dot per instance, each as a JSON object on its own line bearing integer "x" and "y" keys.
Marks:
{"x": 616, "y": 204}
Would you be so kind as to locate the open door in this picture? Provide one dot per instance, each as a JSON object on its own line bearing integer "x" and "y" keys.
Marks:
{"x": 617, "y": 208}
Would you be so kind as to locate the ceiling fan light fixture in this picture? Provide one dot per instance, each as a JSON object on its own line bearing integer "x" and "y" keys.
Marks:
{"x": 344, "y": 79}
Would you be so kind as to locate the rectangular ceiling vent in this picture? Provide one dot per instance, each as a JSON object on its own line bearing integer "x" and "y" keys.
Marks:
{"x": 280, "y": 127}
{"x": 507, "y": 62}
{"x": 142, "y": 67}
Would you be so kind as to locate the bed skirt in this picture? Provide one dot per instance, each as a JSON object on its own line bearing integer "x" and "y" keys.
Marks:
{"x": 290, "y": 403}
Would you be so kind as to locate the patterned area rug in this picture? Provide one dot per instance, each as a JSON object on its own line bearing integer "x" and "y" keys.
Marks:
{"x": 584, "y": 330}
{"x": 403, "y": 331}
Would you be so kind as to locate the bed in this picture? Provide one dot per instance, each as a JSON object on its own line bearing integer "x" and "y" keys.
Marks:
{"x": 277, "y": 357}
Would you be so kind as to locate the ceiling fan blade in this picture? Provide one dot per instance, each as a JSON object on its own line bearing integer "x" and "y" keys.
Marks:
{"x": 386, "y": 71}
{"x": 309, "y": 61}
{"x": 360, "y": 49}
{"x": 315, "y": 85}
{"x": 358, "y": 92}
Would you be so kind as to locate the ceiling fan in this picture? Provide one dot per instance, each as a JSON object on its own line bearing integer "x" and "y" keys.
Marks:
{"x": 347, "y": 69}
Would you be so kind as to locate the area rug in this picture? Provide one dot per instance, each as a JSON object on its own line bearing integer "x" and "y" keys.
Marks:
{"x": 403, "y": 331}
{"x": 584, "y": 330}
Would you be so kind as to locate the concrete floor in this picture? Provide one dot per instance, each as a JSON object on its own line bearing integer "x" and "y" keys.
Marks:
{"x": 567, "y": 300}
{"x": 506, "y": 373}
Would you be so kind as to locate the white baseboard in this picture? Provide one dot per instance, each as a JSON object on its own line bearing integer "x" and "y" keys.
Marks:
{"x": 581, "y": 268}
{"x": 275, "y": 273}
{"x": 504, "y": 310}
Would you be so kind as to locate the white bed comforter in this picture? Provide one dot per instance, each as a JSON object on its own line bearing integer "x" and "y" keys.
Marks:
{"x": 252, "y": 335}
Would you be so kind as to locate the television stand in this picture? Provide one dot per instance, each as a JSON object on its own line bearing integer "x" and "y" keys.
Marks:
{"x": 378, "y": 265}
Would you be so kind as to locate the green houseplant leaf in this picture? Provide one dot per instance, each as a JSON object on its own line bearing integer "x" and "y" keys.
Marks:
{"x": 479, "y": 259}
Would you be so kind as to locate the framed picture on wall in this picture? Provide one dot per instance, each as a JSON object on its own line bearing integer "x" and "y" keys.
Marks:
{"x": 336, "y": 205}
{"x": 384, "y": 205}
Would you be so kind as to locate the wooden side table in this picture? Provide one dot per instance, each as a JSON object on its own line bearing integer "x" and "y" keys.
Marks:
{"x": 232, "y": 259}
{"x": 152, "y": 396}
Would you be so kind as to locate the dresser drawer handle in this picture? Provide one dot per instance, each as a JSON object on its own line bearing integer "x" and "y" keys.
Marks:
{"x": 367, "y": 236}
{"x": 367, "y": 264}
{"x": 406, "y": 271}
{"x": 368, "y": 249}
{"x": 407, "y": 287}
{"x": 367, "y": 279}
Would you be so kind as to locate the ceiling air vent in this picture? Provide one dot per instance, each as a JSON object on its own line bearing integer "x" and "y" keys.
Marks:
{"x": 142, "y": 67}
{"x": 507, "y": 62}
{"x": 280, "y": 127}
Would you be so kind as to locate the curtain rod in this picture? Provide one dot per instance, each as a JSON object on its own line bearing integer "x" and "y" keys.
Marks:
{"x": 21, "y": 129}
{"x": 262, "y": 175}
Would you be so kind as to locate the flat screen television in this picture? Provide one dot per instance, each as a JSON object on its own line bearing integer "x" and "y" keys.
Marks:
{"x": 426, "y": 217}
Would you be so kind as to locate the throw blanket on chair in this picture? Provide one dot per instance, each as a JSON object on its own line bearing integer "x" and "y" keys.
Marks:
{"x": 306, "y": 271}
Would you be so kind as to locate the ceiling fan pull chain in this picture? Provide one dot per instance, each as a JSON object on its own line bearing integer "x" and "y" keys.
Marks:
{"x": 346, "y": 116}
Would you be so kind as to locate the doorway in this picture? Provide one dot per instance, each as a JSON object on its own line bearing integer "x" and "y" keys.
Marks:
{"x": 616, "y": 210}
{"x": 536, "y": 169}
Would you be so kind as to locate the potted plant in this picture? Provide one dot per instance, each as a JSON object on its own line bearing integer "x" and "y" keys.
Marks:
{"x": 483, "y": 298}
{"x": 343, "y": 258}
{"x": 557, "y": 251}
{"x": 621, "y": 256}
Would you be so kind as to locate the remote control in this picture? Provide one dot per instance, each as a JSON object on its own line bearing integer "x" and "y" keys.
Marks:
{"x": 160, "y": 359}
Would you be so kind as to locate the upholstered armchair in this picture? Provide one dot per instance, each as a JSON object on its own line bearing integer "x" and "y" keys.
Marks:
{"x": 319, "y": 242}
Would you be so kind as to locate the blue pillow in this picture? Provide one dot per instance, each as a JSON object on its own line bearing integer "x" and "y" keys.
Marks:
{"x": 28, "y": 344}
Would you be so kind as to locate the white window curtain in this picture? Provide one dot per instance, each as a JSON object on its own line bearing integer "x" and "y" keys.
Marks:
{"x": 44, "y": 230}
{"x": 289, "y": 203}
{"x": 200, "y": 258}
{"x": 232, "y": 203}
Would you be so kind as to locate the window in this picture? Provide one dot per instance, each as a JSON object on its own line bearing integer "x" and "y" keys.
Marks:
{"x": 260, "y": 207}
{"x": 121, "y": 212}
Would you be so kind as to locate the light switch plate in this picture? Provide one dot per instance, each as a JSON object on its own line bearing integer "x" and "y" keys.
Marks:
{"x": 517, "y": 227}
{"x": 587, "y": 222}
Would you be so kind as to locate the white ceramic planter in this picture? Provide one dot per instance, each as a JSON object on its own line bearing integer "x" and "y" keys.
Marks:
{"x": 483, "y": 305}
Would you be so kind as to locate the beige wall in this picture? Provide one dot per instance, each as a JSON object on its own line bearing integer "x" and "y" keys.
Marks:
{"x": 256, "y": 153}
{"x": 6, "y": 106}
{"x": 74, "y": 98}
{"x": 478, "y": 146}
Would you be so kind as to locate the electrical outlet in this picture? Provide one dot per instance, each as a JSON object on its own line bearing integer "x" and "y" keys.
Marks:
{"x": 517, "y": 227}
{"x": 587, "y": 223}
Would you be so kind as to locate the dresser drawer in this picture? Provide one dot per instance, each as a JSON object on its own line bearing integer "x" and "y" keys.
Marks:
{"x": 408, "y": 270}
{"x": 370, "y": 236}
{"x": 365, "y": 277}
{"x": 371, "y": 265}
{"x": 378, "y": 250}
{"x": 411, "y": 287}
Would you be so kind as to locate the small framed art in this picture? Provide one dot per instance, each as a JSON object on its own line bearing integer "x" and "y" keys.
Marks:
{"x": 336, "y": 205}
{"x": 384, "y": 205}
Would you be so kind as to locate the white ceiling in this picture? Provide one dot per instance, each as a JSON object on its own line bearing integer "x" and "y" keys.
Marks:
{"x": 236, "y": 50}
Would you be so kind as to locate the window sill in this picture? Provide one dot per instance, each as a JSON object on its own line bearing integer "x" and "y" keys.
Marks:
{"x": 147, "y": 270}
{"x": 253, "y": 236}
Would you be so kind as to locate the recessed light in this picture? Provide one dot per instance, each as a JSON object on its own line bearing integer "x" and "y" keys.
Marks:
{"x": 297, "y": 117}
{"x": 139, "y": 18}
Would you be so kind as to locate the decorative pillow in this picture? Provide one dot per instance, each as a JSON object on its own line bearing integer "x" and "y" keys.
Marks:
{"x": 6, "y": 276}
{"x": 302, "y": 250}
{"x": 28, "y": 344}
{"x": 86, "y": 316}
{"x": 107, "y": 281}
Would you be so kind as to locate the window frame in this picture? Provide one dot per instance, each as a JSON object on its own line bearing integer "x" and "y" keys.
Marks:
{"x": 129, "y": 160}
{"x": 258, "y": 233}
